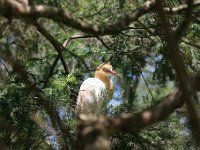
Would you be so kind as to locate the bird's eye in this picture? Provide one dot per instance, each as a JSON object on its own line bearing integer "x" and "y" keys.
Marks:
{"x": 106, "y": 70}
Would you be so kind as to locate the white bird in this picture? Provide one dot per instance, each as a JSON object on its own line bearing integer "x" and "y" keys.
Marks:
{"x": 94, "y": 92}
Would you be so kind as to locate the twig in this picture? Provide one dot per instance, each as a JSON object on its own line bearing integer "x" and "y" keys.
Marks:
{"x": 140, "y": 70}
{"x": 191, "y": 44}
{"x": 148, "y": 30}
{"x": 51, "y": 71}
{"x": 147, "y": 85}
{"x": 4, "y": 65}
{"x": 188, "y": 18}
{"x": 104, "y": 44}
{"x": 76, "y": 37}
{"x": 181, "y": 8}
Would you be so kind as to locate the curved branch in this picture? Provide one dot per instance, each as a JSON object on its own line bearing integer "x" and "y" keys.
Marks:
{"x": 65, "y": 44}
{"x": 12, "y": 8}
{"x": 171, "y": 39}
{"x": 55, "y": 44}
{"x": 15, "y": 9}
{"x": 129, "y": 123}
{"x": 136, "y": 122}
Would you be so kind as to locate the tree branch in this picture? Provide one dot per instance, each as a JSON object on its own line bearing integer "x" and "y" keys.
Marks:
{"x": 181, "y": 8}
{"x": 188, "y": 18}
{"x": 191, "y": 44}
{"x": 129, "y": 123}
{"x": 58, "y": 47}
{"x": 134, "y": 123}
{"x": 17, "y": 10}
{"x": 171, "y": 39}
{"x": 51, "y": 71}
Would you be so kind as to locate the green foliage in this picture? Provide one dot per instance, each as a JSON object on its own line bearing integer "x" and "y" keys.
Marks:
{"x": 153, "y": 137}
{"x": 16, "y": 126}
{"x": 133, "y": 53}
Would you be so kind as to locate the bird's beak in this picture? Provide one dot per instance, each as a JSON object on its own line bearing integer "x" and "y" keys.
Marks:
{"x": 113, "y": 73}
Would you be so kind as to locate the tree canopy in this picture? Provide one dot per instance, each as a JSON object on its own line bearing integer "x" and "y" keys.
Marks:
{"x": 47, "y": 49}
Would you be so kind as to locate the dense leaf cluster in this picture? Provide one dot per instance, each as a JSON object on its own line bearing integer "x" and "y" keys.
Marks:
{"x": 137, "y": 52}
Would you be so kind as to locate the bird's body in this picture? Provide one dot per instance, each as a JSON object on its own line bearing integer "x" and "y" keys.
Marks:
{"x": 94, "y": 92}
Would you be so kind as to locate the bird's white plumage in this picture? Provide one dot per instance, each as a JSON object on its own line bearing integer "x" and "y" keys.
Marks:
{"x": 92, "y": 95}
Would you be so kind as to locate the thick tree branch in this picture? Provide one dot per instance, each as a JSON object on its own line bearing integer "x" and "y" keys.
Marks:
{"x": 129, "y": 123}
{"x": 15, "y": 9}
{"x": 11, "y": 8}
{"x": 134, "y": 123}
{"x": 171, "y": 39}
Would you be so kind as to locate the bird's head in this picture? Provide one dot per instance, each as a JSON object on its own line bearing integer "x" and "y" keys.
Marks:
{"x": 106, "y": 70}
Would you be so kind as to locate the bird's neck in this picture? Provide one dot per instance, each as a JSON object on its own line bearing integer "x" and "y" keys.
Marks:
{"x": 105, "y": 80}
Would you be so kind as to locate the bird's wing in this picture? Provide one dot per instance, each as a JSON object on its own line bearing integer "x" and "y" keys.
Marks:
{"x": 91, "y": 93}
